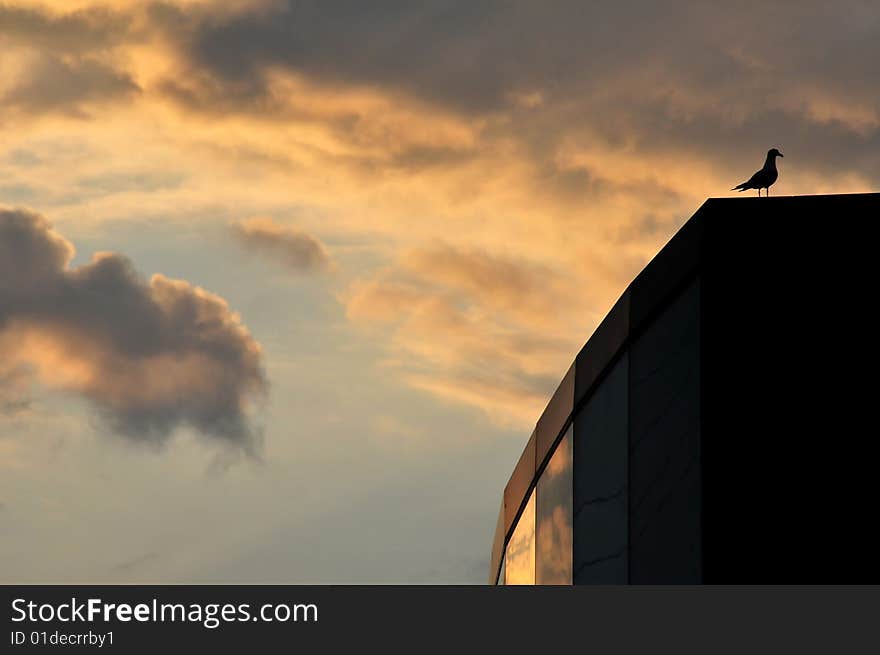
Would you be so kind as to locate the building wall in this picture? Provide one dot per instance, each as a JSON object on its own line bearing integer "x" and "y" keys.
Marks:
{"x": 719, "y": 415}
{"x": 619, "y": 500}
{"x": 664, "y": 446}
{"x": 601, "y": 493}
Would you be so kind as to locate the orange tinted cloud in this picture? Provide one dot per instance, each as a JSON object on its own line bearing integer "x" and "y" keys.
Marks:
{"x": 551, "y": 171}
{"x": 51, "y": 84}
{"x": 151, "y": 356}
{"x": 487, "y": 330}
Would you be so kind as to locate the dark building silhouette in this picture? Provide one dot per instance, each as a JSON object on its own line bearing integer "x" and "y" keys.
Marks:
{"x": 719, "y": 426}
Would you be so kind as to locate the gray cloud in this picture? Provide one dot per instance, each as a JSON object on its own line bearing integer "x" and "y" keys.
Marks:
{"x": 474, "y": 54}
{"x": 295, "y": 249}
{"x": 14, "y": 384}
{"x": 680, "y": 78}
{"x": 151, "y": 355}
{"x": 51, "y": 84}
{"x": 346, "y": 41}
{"x": 85, "y": 30}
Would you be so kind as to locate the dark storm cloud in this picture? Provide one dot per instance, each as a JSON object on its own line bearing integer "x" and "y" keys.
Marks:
{"x": 50, "y": 84}
{"x": 151, "y": 355}
{"x": 294, "y": 248}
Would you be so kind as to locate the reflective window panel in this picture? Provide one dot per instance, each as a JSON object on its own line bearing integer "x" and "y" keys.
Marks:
{"x": 600, "y": 482}
{"x": 519, "y": 563}
{"x": 553, "y": 517}
{"x": 664, "y": 448}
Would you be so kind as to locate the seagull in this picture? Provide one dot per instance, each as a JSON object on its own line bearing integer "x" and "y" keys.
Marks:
{"x": 764, "y": 177}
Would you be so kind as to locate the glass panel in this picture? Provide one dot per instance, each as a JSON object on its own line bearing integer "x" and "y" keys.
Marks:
{"x": 553, "y": 508}
{"x": 520, "y": 558}
{"x": 666, "y": 541}
{"x": 600, "y": 485}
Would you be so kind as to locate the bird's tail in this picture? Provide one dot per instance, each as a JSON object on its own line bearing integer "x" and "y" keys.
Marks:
{"x": 739, "y": 187}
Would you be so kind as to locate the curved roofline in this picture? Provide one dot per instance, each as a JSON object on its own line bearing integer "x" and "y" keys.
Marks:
{"x": 671, "y": 269}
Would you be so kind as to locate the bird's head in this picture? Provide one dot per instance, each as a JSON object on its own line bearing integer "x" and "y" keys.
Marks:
{"x": 774, "y": 153}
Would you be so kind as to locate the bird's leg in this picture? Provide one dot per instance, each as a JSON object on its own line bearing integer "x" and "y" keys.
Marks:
{"x": 759, "y": 192}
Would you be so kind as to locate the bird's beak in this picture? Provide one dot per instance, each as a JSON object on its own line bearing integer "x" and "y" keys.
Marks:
{"x": 781, "y": 155}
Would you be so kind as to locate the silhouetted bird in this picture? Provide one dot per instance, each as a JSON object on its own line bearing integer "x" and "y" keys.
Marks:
{"x": 764, "y": 177}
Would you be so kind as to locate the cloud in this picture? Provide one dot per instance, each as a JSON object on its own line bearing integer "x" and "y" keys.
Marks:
{"x": 493, "y": 172}
{"x": 588, "y": 70}
{"x": 150, "y": 355}
{"x": 504, "y": 283}
{"x": 526, "y": 51}
{"x": 579, "y": 143}
{"x": 14, "y": 385}
{"x": 83, "y": 30}
{"x": 51, "y": 84}
{"x": 62, "y": 61}
{"x": 484, "y": 329}
{"x": 294, "y": 248}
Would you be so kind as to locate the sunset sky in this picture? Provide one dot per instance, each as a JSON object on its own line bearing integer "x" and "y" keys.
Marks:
{"x": 284, "y": 286}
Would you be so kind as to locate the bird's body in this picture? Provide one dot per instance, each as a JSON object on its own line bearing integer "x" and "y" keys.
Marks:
{"x": 765, "y": 177}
